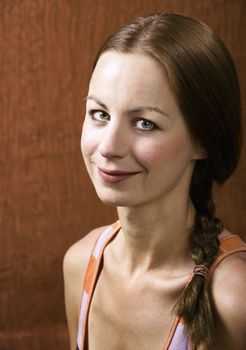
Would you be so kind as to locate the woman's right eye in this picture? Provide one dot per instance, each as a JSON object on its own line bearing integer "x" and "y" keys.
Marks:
{"x": 99, "y": 115}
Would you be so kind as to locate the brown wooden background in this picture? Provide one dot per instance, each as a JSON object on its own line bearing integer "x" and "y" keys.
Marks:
{"x": 47, "y": 202}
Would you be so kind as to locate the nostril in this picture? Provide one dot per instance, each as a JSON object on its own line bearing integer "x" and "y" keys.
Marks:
{"x": 110, "y": 153}
{"x": 114, "y": 143}
{"x": 113, "y": 146}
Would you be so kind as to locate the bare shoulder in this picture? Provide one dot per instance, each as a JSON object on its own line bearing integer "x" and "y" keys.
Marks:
{"x": 228, "y": 289}
{"x": 229, "y": 282}
{"x": 75, "y": 263}
{"x": 77, "y": 256}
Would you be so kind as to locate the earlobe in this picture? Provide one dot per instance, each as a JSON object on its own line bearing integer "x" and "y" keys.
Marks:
{"x": 201, "y": 153}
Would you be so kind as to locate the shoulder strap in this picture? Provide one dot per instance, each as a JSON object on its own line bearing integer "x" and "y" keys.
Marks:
{"x": 177, "y": 338}
{"x": 229, "y": 245}
{"x": 92, "y": 273}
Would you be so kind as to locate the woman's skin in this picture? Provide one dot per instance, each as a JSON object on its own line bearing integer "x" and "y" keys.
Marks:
{"x": 140, "y": 157}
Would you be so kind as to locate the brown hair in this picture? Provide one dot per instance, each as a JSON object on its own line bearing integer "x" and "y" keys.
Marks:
{"x": 203, "y": 79}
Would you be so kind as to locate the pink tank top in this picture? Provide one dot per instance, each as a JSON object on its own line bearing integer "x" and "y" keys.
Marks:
{"x": 177, "y": 338}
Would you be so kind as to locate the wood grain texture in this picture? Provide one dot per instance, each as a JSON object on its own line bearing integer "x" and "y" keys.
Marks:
{"x": 47, "y": 202}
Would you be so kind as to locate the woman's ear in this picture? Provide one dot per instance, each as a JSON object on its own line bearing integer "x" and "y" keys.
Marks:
{"x": 200, "y": 153}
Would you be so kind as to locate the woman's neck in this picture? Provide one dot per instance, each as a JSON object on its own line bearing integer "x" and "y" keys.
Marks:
{"x": 156, "y": 235}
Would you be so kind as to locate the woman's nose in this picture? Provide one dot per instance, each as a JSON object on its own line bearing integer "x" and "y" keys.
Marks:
{"x": 114, "y": 142}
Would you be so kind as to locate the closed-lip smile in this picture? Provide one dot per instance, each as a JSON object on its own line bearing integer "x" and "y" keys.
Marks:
{"x": 112, "y": 176}
{"x": 118, "y": 172}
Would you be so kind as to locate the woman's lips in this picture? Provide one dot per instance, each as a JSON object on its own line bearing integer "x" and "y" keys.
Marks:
{"x": 112, "y": 176}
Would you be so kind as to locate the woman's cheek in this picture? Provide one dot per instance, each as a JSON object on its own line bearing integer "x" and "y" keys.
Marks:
{"x": 87, "y": 140}
{"x": 163, "y": 151}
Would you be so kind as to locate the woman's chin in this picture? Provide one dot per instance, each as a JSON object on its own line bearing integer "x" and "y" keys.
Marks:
{"x": 116, "y": 200}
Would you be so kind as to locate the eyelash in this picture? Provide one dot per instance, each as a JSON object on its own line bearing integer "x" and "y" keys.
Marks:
{"x": 92, "y": 114}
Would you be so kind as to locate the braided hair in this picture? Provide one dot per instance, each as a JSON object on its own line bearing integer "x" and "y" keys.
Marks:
{"x": 194, "y": 305}
{"x": 204, "y": 82}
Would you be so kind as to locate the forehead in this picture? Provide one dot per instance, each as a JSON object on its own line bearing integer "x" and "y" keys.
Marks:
{"x": 128, "y": 76}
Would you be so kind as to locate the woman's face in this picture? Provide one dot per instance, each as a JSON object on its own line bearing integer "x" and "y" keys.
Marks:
{"x": 135, "y": 144}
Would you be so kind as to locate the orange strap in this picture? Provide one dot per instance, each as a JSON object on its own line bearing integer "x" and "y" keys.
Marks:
{"x": 229, "y": 245}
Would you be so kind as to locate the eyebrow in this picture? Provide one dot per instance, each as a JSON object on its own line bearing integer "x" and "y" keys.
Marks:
{"x": 132, "y": 110}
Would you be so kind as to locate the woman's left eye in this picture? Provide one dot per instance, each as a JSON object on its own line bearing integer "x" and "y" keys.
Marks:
{"x": 145, "y": 125}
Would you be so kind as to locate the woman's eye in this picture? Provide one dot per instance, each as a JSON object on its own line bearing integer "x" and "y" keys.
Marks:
{"x": 145, "y": 125}
{"x": 99, "y": 115}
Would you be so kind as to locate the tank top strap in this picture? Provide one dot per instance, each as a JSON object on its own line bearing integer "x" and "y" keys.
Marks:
{"x": 177, "y": 338}
{"x": 228, "y": 245}
{"x": 92, "y": 273}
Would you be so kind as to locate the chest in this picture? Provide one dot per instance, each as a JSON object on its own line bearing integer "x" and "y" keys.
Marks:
{"x": 131, "y": 315}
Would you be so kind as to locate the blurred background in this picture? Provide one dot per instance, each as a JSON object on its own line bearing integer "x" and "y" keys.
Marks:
{"x": 47, "y": 202}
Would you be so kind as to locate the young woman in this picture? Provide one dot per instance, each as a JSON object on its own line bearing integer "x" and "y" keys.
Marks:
{"x": 162, "y": 124}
